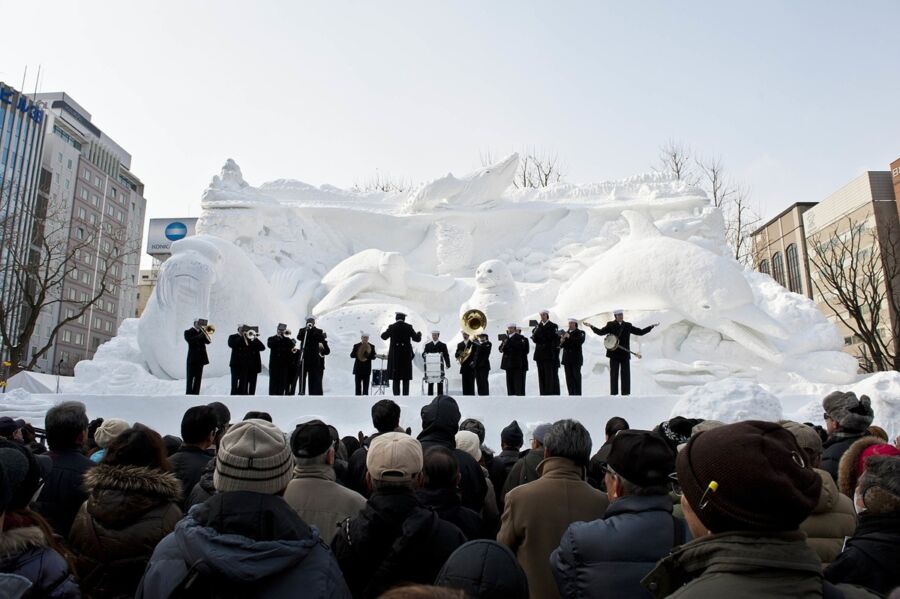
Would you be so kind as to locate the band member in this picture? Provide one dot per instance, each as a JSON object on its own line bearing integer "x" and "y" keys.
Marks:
{"x": 254, "y": 351}
{"x": 514, "y": 347}
{"x": 482, "y": 363}
{"x": 238, "y": 363}
{"x": 313, "y": 346}
{"x": 435, "y": 346}
{"x": 362, "y": 353}
{"x": 197, "y": 339}
{"x": 527, "y": 351}
{"x": 620, "y": 358}
{"x": 546, "y": 354}
{"x": 571, "y": 341}
{"x": 281, "y": 355}
{"x": 465, "y": 365}
{"x": 400, "y": 354}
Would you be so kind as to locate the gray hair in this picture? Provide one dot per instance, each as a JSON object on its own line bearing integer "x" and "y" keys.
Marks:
{"x": 569, "y": 439}
{"x": 64, "y": 422}
{"x": 630, "y": 488}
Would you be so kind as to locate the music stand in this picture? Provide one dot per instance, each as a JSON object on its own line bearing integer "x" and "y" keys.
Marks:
{"x": 379, "y": 378}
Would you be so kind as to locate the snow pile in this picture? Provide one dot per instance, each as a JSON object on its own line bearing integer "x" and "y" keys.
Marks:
{"x": 728, "y": 401}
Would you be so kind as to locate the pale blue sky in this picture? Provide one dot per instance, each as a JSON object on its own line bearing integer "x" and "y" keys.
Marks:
{"x": 797, "y": 97}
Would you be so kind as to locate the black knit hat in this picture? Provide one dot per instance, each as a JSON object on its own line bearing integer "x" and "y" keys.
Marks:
{"x": 750, "y": 475}
{"x": 311, "y": 439}
{"x": 677, "y": 431}
{"x": 512, "y": 435}
{"x": 641, "y": 457}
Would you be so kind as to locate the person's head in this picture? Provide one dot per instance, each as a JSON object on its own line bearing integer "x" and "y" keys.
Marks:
{"x": 808, "y": 440}
{"x": 385, "y": 416}
{"x": 441, "y": 416}
{"x": 511, "y": 437}
{"x": 573, "y": 324}
{"x": 568, "y": 439}
{"x": 440, "y": 469}
{"x": 853, "y": 462}
{"x": 23, "y": 474}
{"x": 878, "y": 490}
{"x": 223, "y": 414}
{"x": 311, "y": 444}
{"x": 198, "y": 426}
{"x": 676, "y": 431}
{"x": 172, "y": 444}
{"x": 468, "y": 441}
{"x": 253, "y": 456}
{"x": 137, "y": 446}
{"x": 351, "y": 443}
{"x": 422, "y": 591}
{"x": 619, "y": 315}
{"x": 435, "y": 335}
{"x": 877, "y": 431}
{"x": 545, "y": 315}
{"x": 484, "y": 569}
{"x": 364, "y": 338}
{"x": 254, "y": 415}
{"x": 240, "y": 329}
{"x": 511, "y": 328}
{"x": 400, "y": 316}
{"x": 109, "y": 430}
{"x": 614, "y": 425}
{"x": 10, "y": 429}
{"x": 394, "y": 460}
{"x": 475, "y": 426}
{"x": 847, "y": 413}
{"x": 66, "y": 425}
{"x": 639, "y": 463}
{"x": 748, "y": 476}
{"x": 310, "y": 322}
{"x": 465, "y": 336}
{"x": 539, "y": 434}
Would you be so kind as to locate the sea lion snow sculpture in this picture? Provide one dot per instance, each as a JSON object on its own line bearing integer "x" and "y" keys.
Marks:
{"x": 495, "y": 294}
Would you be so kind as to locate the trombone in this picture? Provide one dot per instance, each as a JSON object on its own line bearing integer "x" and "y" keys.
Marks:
{"x": 208, "y": 330}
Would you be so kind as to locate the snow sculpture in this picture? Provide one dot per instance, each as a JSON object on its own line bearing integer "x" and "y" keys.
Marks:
{"x": 481, "y": 188}
{"x": 205, "y": 277}
{"x": 495, "y": 294}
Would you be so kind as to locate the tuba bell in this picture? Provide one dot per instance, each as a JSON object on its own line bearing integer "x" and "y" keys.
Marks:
{"x": 473, "y": 323}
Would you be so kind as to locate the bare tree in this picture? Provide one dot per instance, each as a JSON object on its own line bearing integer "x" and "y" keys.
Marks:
{"x": 536, "y": 169}
{"x": 733, "y": 199}
{"x": 677, "y": 159}
{"x": 853, "y": 278}
{"x": 382, "y": 182}
{"x": 39, "y": 260}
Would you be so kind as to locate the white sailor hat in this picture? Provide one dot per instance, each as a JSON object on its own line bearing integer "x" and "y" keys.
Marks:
{"x": 435, "y": 332}
{"x": 545, "y": 311}
{"x": 618, "y": 311}
{"x": 571, "y": 319}
{"x": 512, "y": 325}
{"x": 363, "y": 334}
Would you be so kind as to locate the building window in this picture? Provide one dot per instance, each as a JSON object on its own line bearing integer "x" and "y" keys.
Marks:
{"x": 79, "y": 338}
{"x": 82, "y": 213}
{"x": 70, "y": 164}
{"x": 778, "y": 268}
{"x": 96, "y": 181}
{"x": 793, "y": 268}
{"x": 79, "y": 233}
{"x": 87, "y": 175}
{"x": 67, "y": 336}
{"x": 764, "y": 266}
{"x": 84, "y": 194}
{"x": 95, "y": 200}
{"x": 70, "y": 293}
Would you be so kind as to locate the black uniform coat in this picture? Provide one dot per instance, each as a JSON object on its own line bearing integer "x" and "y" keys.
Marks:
{"x": 546, "y": 342}
{"x": 239, "y": 354}
{"x": 363, "y": 369}
{"x": 483, "y": 356}
{"x": 515, "y": 353}
{"x": 310, "y": 340}
{"x": 571, "y": 348}
{"x": 460, "y": 348}
{"x": 197, "y": 341}
{"x": 280, "y": 354}
{"x": 623, "y": 330}
{"x": 400, "y": 356}
{"x": 254, "y": 357}
{"x": 437, "y": 348}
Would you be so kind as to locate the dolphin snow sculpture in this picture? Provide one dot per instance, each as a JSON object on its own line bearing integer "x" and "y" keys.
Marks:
{"x": 480, "y": 188}
{"x": 649, "y": 271}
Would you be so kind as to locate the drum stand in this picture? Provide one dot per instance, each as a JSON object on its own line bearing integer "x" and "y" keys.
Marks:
{"x": 382, "y": 381}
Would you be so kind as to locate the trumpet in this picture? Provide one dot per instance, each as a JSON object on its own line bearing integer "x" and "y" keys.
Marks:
{"x": 251, "y": 335}
{"x": 208, "y": 330}
{"x": 287, "y": 333}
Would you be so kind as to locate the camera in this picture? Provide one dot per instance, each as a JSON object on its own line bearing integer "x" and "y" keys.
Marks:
{"x": 502, "y": 337}
{"x": 532, "y": 323}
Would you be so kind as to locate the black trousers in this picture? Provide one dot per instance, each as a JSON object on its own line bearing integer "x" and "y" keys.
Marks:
{"x": 290, "y": 385}
{"x": 440, "y": 387}
{"x": 194, "y": 377}
{"x": 548, "y": 377}
{"x": 311, "y": 382}
{"x": 238, "y": 381}
{"x": 615, "y": 366}
{"x": 468, "y": 380}
{"x": 362, "y": 383}
{"x": 515, "y": 382}
{"x": 278, "y": 380}
{"x": 481, "y": 381}
{"x": 573, "y": 379}
{"x": 397, "y": 383}
{"x": 250, "y": 383}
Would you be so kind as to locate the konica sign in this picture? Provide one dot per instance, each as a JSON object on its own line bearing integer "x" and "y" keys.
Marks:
{"x": 164, "y": 231}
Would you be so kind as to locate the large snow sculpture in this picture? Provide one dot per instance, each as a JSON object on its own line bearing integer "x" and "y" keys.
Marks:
{"x": 495, "y": 294}
{"x": 480, "y": 189}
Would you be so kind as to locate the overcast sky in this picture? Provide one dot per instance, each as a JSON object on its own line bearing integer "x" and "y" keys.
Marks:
{"x": 796, "y": 97}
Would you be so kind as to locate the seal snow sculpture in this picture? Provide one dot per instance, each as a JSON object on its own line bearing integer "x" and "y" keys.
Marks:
{"x": 495, "y": 293}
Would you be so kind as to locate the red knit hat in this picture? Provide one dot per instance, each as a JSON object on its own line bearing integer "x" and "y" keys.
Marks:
{"x": 879, "y": 449}
{"x": 750, "y": 475}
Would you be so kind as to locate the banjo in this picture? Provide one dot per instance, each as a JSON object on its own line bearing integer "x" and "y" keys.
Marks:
{"x": 611, "y": 343}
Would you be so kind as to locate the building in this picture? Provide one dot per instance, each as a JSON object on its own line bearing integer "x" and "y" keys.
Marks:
{"x": 23, "y": 197}
{"x": 161, "y": 234}
{"x": 780, "y": 249}
{"x": 93, "y": 191}
{"x": 145, "y": 288}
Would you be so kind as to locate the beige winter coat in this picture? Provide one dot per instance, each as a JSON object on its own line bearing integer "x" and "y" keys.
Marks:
{"x": 320, "y": 501}
{"x": 831, "y": 522}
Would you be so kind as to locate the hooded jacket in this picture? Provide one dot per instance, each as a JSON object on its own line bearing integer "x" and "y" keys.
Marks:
{"x": 609, "y": 557}
{"x": 320, "y": 501}
{"x": 872, "y": 555}
{"x": 440, "y": 423}
{"x": 25, "y": 552}
{"x": 130, "y": 509}
{"x": 249, "y": 543}
{"x": 832, "y": 521}
{"x": 743, "y": 565}
{"x": 485, "y": 570}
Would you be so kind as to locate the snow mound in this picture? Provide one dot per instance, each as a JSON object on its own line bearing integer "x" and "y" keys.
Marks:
{"x": 729, "y": 401}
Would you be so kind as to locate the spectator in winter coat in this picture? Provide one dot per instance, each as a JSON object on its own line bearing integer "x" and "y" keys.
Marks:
{"x": 872, "y": 555}
{"x": 108, "y": 430}
{"x": 133, "y": 503}
{"x": 63, "y": 492}
{"x": 484, "y": 570}
{"x": 490, "y": 515}
{"x": 385, "y": 419}
{"x": 537, "y": 514}
{"x": 30, "y": 558}
{"x": 746, "y": 488}
{"x": 394, "y": 540}
{"x": 846, "y": 420}
{"x": 853, "y": 462}
{"x": 314, "y": 493}
{"x": 198, "y": 433}
{"x": 833, "y": 519}
{"x": 511, "y": 441}
{"x": 440, "y": 423}
{"x": 608, "y": 557}
{"x": 525, "y": 469}
{"x": 439, "y": 491}
{"x": 245, "y": 540}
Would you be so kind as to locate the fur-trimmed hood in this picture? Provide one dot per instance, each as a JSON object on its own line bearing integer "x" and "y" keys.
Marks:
{"x": 17, "y": 540}
{"x": 119, "y": 494}
{"x": 848, "y": 469}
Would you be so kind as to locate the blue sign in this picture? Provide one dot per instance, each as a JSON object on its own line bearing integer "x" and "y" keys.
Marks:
{"x": 176, "y": 231}
{"x": 10, "y": 96}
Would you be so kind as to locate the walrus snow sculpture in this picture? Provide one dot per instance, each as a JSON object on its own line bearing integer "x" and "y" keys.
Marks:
{"x": 205, "y": 277}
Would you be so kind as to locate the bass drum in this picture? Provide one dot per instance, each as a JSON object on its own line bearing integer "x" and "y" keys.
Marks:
{"x": 610, "y": 342}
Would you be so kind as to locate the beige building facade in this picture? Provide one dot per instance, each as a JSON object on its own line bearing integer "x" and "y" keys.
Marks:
{"x": 780, "y": 249}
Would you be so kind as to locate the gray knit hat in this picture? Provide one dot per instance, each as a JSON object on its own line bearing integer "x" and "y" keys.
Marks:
{"x": 852, "y": 414}
{"x": 254, "y": 455}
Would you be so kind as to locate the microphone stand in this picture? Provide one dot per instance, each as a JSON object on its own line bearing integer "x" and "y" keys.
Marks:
{"x": 301, "y": 388}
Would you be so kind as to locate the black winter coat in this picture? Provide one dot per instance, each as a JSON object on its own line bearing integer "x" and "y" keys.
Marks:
{"x": 187, "y": 465}
{"x": 64, "y": 490}
{"x": 245, "y": 354}
{"x": 280, "y": 354}
{"x": 571, "y": 348}
{"x": 460, "y": 348}
{"x": 197, "y": 342}
{"x": 515, "y": 353}
{"x": 393, "y": 540}
{"x": 834, "y": 447}
{"x": 483, "y": 356}
{"x": 623, "y": 330}
{"x": 871, "y": 556}
{"x": 501, "y": 466}
{"x": 447, "y": 504}
{"x": 400, "y": 355}
{"x": 204, "y": 489}
{"x": 24, "y": 551}
{"x": 546, "y": 342}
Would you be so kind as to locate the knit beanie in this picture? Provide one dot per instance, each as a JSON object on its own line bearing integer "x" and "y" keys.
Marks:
{"x": 852, "y": 463}
{"x": 253, "y": 455}
{"x": 750, "y": 476}
{"x": 852, "y": 414}
{"x": 512, "y": 435}
{"x": 22, "y": 473}
{"x": 676, "y": 431}
{"x": 468, "y": 442}
{"x": 880, "y": 485}
{"x": 109, "y": 430}
{"x": 540, "y": 431}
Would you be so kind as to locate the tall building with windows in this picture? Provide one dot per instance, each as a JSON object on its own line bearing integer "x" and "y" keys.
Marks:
{"x": 780, "y": 249}
{"x": 93, "y": 189}
{"x": 22, "y": 127}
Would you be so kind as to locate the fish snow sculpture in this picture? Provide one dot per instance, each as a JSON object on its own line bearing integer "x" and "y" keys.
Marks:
{"x": 648, "y": 271}
{"x": 479, "y": 189}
